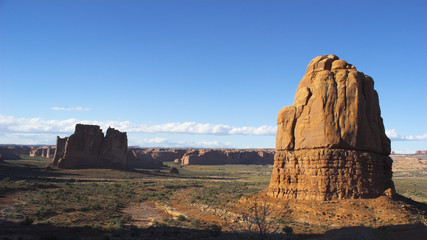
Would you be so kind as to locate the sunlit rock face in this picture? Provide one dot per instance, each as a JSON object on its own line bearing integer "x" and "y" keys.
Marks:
{"x": 331, "y": 143}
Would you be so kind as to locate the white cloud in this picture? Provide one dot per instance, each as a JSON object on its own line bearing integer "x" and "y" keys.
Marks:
{"x": 39, "y": 125}
{"x": 10, "y": 124}
{"x": 156, "y": 140}
{"x": 263, "y": 130}
{"x": 70, "y": 109}
{"x": 404, "y": 151}
{"x": 164, "y": 142}
{"x": 394, "y": 136}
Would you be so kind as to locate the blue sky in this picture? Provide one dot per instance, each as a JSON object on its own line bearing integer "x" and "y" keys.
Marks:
{"x": 200, "y": 73}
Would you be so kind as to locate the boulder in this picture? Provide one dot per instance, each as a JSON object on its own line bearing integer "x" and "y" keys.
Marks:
{"x": 174, "y": 170}
{"x": 331, "y": 143}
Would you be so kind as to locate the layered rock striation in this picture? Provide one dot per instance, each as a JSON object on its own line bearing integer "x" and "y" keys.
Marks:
{"x": 331, "y": 142}
{"x": 88, "y": 148}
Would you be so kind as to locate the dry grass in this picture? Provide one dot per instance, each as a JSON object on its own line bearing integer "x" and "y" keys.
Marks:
{"x": 200, "y": 197}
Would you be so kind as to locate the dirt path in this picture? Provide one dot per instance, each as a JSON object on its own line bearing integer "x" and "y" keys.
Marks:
{"x": 194, "y": 211}
{"x": 145, "y": 213}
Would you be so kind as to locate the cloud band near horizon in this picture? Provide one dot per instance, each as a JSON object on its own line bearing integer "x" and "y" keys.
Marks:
{"x": 10, "y": 124}
{"x": 38, "y": 125}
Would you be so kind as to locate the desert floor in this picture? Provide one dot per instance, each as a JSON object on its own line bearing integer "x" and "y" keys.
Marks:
{"x": 202, "y": 202}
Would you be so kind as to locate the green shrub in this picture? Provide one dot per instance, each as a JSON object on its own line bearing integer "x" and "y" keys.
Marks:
{"x": 41, "y": 214}
{"x": 288, "y": 230}
{"x": 115, "y": 225}
{"x": 214, "y": 230}
{"x": 27, "y": 221}
{"x": 195, "y": 223}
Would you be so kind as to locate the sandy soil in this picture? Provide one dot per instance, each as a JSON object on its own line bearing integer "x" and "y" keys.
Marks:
{"x": 145, "y": 214}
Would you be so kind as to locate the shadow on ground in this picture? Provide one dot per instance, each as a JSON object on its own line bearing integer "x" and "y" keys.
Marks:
{"x": 10, "y": 230}
{"x": 411, "y": 205}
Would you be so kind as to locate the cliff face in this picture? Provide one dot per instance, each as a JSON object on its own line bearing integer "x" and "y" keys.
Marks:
{"x": 331, "y": 143}
{"x": 227, "y": 156}
{"x": 59, "y": 150}
{"x": 114, "y": 151}
{"x": 88, "y": 148}
{"x": 45, "y": 151}
{"x": 190, "y": 156}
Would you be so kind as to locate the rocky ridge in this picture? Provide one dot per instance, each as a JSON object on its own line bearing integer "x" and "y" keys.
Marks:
{"x": 191, "y": 156}
{"x": 227, "y": 156}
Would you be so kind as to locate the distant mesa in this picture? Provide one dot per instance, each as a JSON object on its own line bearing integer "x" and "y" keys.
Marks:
{"x": 191, "y": 156}
{"x": 44, "y": 151}
{"x": 88, "y": 148}
{"x": 12, "y": 152}
{"x": 421, "y": 152}
{"x": 228, "y": 156}
{"x": 331, "y": 142}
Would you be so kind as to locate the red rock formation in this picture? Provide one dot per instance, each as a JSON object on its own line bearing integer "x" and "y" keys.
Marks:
{"x": 45, "y": 151}
{"x": 160, "y": 154}
{"x": 331, "y": 143}
{"x": 136, "y": 159}
{"x": 421, "y": 152}
{"x": 227, "y": 156}
{"x": 114, "y": 151}
{"x": 59, "y": 150}
{"x": 155, "y": 156}
{"x": 87, "y": 148}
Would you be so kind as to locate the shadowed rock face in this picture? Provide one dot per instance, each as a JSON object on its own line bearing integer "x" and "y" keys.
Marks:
{"x": 87, "y": 148}
{"x": 114, "y": 149}
{"x": 153, "y": 157}
{"x": 59, "y": 150}
{"x": 7, "y": 153}
{"x": 227, "y": 156}
{"x": 331, "y": 143}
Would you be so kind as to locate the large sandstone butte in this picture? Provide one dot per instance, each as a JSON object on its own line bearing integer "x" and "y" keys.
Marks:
{"x": 88, "y": 148}
{"x": 331, "y": 143}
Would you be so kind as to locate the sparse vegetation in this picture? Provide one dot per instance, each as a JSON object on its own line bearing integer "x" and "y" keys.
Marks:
{"x": 202, "y": 198}
{"x": 255, "y": 220}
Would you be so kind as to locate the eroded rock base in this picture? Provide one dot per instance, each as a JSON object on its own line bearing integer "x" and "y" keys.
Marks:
{"x": 328, "y": 174}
